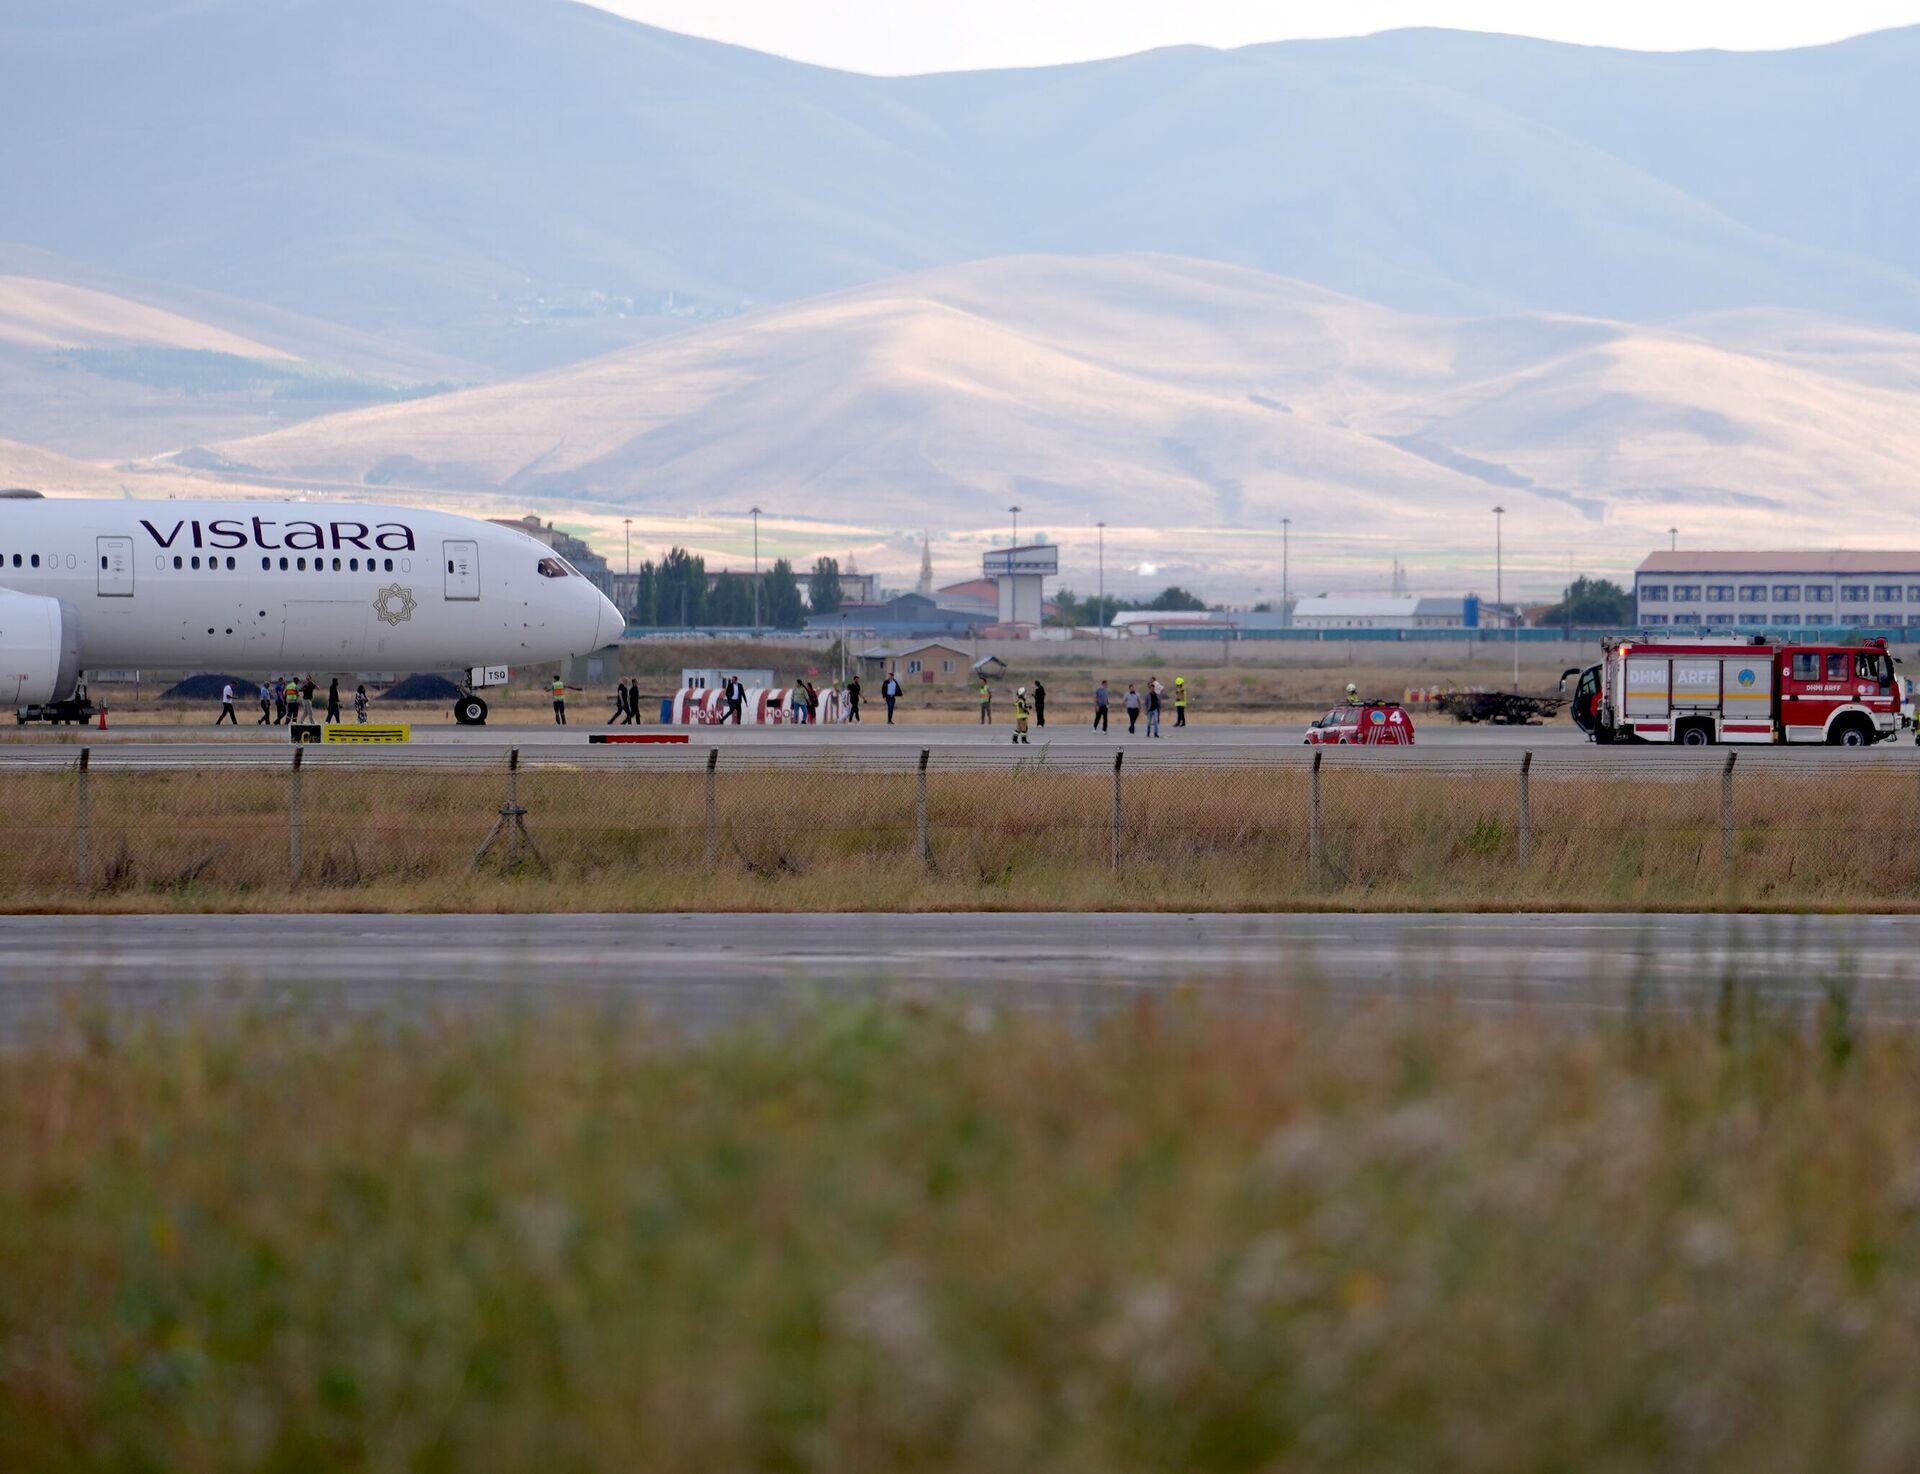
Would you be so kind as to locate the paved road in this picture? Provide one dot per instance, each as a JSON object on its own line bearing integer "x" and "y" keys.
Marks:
{"x": 1440, "y": 744}
{"x": 442, "y": 733}
{"x": 694, "y": 970}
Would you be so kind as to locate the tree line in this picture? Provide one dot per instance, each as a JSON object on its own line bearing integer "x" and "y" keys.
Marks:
{"x": 1071, "y": 609}
{"x": 678, "y": 591}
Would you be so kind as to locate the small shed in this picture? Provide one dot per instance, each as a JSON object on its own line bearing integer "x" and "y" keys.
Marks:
{"x": 695, "y": 679}
{"x": 931, "y": 662}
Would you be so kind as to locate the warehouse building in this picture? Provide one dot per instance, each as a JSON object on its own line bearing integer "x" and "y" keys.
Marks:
{"x": 1758, "y": 591}
{"x": 1399, "y": 612}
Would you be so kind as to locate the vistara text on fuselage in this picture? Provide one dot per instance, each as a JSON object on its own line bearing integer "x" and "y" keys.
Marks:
{"x": 257, "y": 586}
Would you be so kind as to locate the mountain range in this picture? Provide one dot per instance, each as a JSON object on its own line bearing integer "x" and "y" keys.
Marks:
{"x": 527, "y": 253}
{"x": 524, "y": 182}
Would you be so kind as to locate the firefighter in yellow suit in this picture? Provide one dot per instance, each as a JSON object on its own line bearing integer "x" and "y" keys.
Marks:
{"x": 1179, "y": 701}
{"x": 986, "y": 703}
{"x": 1020, "y": 715}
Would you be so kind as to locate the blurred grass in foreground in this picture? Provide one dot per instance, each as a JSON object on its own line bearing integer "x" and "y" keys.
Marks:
{"x": 882, "y": 1237}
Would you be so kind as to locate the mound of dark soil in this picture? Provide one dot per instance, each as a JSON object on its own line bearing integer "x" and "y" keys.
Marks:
{"x": 207, "y": 688}
{"x": 421, "y": 688}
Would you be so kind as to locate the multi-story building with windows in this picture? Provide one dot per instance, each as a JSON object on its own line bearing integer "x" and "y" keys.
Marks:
{"x": 1763, "y": 591}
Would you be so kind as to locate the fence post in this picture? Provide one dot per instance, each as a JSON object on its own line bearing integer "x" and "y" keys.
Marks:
{"x": 1526, "y": 811}
{"x": 1726, "y": 813}
{"x": 1315, "y": 844}
{"x": 921, "y": 845}
{"x": 296, "y": 816}
{"x": 713, "y": 807}
{"x": 80, "y": 817}
{"x": 1117, "y": 757}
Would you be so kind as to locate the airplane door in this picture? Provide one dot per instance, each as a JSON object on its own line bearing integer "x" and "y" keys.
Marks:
{"x": 463, "y": 569}
{"x": 116, "y": 565}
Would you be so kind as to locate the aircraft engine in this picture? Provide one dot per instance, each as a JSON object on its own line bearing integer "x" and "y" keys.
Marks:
{"x": 39, "y": 649}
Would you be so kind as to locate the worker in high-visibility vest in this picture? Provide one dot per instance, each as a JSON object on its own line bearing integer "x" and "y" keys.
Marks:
{"x": 1020, "y": 715}
{"x": 559, "y": 702}
{"x": 986, "y": 703}
{"x": 1179, "y": 701}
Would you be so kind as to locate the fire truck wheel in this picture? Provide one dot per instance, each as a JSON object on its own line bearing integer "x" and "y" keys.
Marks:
{"x": 1851, "y": 733}
{"x": 1696, "y": 734}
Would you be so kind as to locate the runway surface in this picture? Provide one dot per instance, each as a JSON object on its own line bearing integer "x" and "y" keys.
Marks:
{"x": 696, "y": 970}
{"x": 1439, "y": 743}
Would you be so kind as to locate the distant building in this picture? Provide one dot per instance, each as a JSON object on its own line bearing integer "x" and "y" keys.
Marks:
{"x": 590, "y": 564}
{"x": 1755, "y": 591}
{"x": 900, "y": 616}
{"x": 930, "y": 662}
{"x": 1406, "y": 612}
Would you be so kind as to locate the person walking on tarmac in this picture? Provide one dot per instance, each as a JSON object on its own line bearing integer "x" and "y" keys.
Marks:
{"x": 1153, "y": 708}
{"x": 1020, "y": 715}
{"x": 558, "y": 690}
{"x": 853, "y": 699}
{"x": 360, "y": 705}
{"x": 890, "y": 693}
{"x": 986, "y": 703}
{"x": 266, "y": 705}
{"x": 279, "y": 700}
{"x": 307, "y": 688}
{"x": 226, "y": 706}
{"x": 1039, "y": 705}
{"x": 1179, "y": 701}
{"x": 1133, "y": 709}
{"x": 1100, "y": 707}
{"x": 333, "y": 699}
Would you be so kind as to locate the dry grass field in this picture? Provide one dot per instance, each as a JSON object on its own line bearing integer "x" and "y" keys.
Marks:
{"x": 878, "y": 1238}
{"x": 1044, "y": 836}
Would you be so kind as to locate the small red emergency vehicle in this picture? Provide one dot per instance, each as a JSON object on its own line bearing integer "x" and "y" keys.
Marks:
{"x": 1697, "y": 690}
{"x": 1370, "y": 723}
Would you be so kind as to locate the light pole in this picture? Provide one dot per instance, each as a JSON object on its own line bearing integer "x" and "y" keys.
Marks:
{"x": 1286, "y": 600}
{"x": 1100, "y": 623}
{"x": 1499, "y": 587}
{"x": 1016, "y": 526}
{"x": 1673, "y": 539}
{"x": 755, "y": 514}
{"x": 626, "y": 545}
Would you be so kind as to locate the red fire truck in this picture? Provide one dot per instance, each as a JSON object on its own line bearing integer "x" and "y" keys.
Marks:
{"x": 1701, "y": 689}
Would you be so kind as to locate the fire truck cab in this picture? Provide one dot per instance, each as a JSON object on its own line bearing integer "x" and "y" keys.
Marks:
{"x": 1704, "y": 689}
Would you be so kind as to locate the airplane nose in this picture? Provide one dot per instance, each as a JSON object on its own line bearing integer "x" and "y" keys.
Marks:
{"x": 612, "y": 624}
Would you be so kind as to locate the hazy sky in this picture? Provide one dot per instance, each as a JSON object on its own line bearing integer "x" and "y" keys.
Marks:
{"x": 892, "y": 36}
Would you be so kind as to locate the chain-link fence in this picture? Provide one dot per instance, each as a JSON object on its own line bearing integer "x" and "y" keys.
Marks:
{"x": 1247, "y": 828}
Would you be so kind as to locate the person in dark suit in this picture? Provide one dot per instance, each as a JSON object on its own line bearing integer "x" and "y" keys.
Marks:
{"x": 1039, "y": 705}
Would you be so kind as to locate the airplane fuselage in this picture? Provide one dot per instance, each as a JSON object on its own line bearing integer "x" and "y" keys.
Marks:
{"x": 255, "y": 586}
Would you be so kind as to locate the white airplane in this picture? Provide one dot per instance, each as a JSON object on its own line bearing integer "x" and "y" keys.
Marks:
{"x": 312, "y": 587}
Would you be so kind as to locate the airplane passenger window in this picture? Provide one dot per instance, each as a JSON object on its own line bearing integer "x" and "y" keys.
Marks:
{"x": 72, "y": 561}
{"x": 389, "y": 565}
{"x": 336, "y": 565}
{"x": 16, "y": 560}
{"x": 196, "y": 560}
{"x": 300, "y": 564}
{"x": 353, "y": 565}
{"x": 176, "y": 560}
{"x": 549, "y": 568}
{"x": 283, "y": 565}
{"x": 103, "y": 562}
{"x": 36, "y": 560}
{"x": 231, "y": 565}
{"x": 266, "y": 565}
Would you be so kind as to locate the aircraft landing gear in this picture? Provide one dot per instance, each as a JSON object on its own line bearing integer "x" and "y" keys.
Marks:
{"x": 470, "y": 711}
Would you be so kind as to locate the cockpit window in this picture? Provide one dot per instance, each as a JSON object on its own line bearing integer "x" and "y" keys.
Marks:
{"x": 552, "y": 568}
